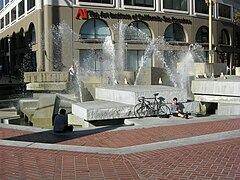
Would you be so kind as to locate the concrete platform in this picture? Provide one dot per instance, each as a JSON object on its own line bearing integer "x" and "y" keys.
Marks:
{"x": 228, "y": 109}
{"x": 105, "y": 110}
{"x": 129, "y": 94}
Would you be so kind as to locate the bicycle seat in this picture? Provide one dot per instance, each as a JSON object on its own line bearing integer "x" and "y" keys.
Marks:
{"x": 156, "y": 94}
{"x": 140, "y": 99}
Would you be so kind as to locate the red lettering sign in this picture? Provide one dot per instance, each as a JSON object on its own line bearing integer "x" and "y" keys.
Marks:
{"x": 81, "y": 13}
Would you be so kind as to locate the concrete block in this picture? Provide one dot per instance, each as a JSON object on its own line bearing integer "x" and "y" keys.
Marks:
{"x": 105, "y": 110}
{"x": 130, "y": 94}
{"x": 228, "y": 109}
{"x": 102, "y": 110}
{"x": 216, "y": 99}
{"x": 225, "y": 87}
{"x": 47, "y": 86}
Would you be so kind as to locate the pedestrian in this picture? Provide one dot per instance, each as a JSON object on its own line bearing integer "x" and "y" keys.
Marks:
{"x": 233, "y": 70}
{"x": 228, "y": 70}
{"x": 176, "y": 110}
{"x": 72, "y": 73}
{"x": 61, "y": 122}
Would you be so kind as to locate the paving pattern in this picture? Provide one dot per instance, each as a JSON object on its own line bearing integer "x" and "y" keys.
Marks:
{"x": 212, "y": 160}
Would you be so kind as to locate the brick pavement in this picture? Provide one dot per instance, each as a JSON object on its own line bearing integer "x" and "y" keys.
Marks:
{"x": 214, "y": 160}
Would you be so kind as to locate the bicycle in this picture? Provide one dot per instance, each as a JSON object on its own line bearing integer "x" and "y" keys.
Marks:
{"x": 147, "y": 108}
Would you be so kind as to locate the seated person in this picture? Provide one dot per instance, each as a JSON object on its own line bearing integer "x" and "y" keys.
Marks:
{"x": 176, "y": 110}
{"x": 61, "y": 123}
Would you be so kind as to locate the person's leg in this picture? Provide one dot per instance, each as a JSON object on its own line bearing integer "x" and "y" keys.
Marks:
{"x": 69, "y": 128}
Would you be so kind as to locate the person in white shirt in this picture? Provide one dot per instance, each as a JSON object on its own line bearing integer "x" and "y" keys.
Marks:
{"x": 72, "y": 73}
{"x": 61, "y": 122}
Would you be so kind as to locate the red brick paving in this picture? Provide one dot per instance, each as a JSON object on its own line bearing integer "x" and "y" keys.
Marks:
{"x": 125, "y": 138}
{"x": 215, "y": 160}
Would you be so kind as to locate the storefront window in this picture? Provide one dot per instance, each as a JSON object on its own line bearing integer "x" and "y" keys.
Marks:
{"x": 13, "y": 14}
{"x": 225, "y": 39}
{"x": 20, "y": 8}
{"x": 144, "y": 3}
{"x": 98, "y": 1}
{"x": 174, "y": 32}
{"x": 201, "y": 6}
{"x": 202, "y": 35}
{"x": 224, "y": 11}
{"x": 138, "y": 30}
{"x": 94, "y": 29}
{"x": 30, "y": 4}
{"x": 175, "y": 4}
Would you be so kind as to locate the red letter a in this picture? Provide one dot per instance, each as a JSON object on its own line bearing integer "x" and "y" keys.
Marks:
{"x": 81, "y": 13}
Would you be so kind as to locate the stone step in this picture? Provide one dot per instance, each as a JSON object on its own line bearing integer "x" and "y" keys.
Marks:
{"x": 11, "y": 111}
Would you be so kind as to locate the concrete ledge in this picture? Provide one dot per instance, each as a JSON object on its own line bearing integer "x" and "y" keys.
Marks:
{"x": 47, "y": 86}
{"x": 106, "y": 110}
{"x": 228, "y": 109}
{"x": 130, "y": 94}
{"x": 216, "y": 99}
{"x": 226, "y": 87}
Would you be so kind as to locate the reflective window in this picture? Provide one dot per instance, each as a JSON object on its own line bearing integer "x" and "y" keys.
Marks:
{"x": 225, "y": 39}
{"x": 135, "y": 59}
{"x": 6, "y": 2}
{"x": 138, "y": 30}
{"x": 202, "y": 35}
{"x": 7, "y": 20}
{"x": 174, "y": 32}
{"x": 13, "y": 14}
{"x": 94, "y": 60}
{"x": 224, "y": 11}
{"x": 175, "y": 4}
{"x": 201, "y": 6}
{"x": 30, "y": 4}
{"x": 1, "y": 4}
{"x": 98, "y": 1}
{"x": 144, "y": 3}
{"x": 94, "y": 29}
{"x": 21, "y": 8}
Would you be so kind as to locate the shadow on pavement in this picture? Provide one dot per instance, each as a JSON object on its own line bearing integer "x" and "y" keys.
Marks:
{"x": 52, "y": 137}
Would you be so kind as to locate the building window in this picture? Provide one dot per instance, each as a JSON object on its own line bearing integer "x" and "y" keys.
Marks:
{"x": 6, "y": 2}
{"x": 135, "y": 59}
{"x": 98, "y": 1}
{"x": 175, "y": 4}
{"x": 7, "y": 20}
{"x": 143, "y": 3}
{"x": 201, "y": 7}
{"x": 174, "y": 32}
{"x": 225, "y": 39}
{"x": 94, "y": 60}
{"x": 1, "y": 5}
{"x": 138, "y": 30}
{"x": 13, "y": 14}
{"x": 21, "y": 8}
{"x": 30, "y": 4}
{"x": 94, "y": 29}
{"x": 224, "y": 11}
{"x": 32, "y": 32}
{"x": 202, "y": 35}
{"x": 2, "y": 23}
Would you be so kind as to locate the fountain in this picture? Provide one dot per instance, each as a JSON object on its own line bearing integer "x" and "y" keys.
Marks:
{"x": 116, "y": 93}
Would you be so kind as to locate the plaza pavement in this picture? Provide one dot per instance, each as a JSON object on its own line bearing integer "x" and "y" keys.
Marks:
{"x": 147, "y": 148}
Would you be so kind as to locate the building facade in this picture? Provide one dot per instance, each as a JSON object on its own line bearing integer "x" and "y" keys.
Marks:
{"x": 28, "y": 30}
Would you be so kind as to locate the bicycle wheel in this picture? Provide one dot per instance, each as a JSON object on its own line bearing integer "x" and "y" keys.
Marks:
{"x": 164, "y": 110}
{"x": 140, "y": 110}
